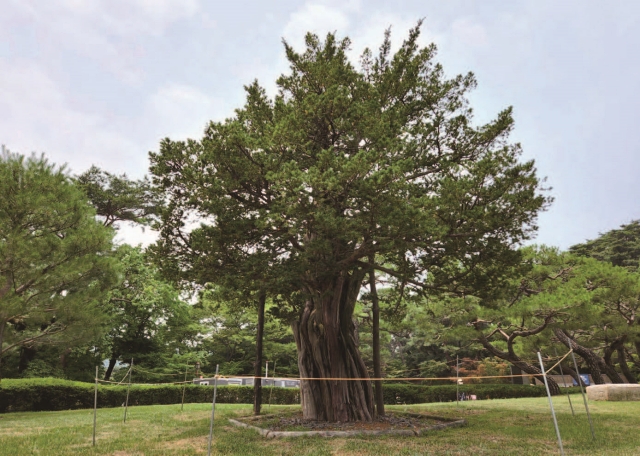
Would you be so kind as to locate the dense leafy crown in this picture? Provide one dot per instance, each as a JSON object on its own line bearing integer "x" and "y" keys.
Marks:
{"x": 345, "y": 164}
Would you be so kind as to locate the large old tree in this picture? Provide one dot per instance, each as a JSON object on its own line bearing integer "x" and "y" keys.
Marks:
{"x": 345, "y": 164}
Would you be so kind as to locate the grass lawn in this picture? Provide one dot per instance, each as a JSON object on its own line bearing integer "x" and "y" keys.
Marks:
{"x": 497, "y": 427}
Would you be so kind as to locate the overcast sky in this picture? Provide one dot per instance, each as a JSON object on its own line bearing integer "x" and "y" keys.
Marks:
{"x": 102, "y": 81}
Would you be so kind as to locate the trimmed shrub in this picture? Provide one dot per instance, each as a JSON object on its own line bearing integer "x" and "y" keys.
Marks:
{"x": 419, "y": 394}
{"x": 55, "y": 394}
{"x": 49, "y": 394}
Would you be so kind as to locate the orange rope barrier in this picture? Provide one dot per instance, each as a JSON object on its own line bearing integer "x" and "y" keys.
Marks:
{"x": 334, "y": 379}
{"x": 561, "y": 359}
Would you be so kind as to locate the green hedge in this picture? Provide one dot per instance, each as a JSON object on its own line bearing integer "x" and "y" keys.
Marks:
{"x": 419, "y": 394}
{"x": 40, "y": 394}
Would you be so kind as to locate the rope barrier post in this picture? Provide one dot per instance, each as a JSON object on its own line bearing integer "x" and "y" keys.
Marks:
{"x": 274, "y": 384}
{"x": 213, "y": 410}
{"x": 584, "y": 398}
{"x": 564, "y": 383}
{"x": 126, "y": 404}
{"x": 457, "y": 382}
{"x": 553, "y": 412}
{"x": 95, "y": 408}
{"x": 184, "y": 387}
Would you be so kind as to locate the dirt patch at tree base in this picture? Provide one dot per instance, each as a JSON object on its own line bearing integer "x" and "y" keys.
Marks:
{"x": 294, "y": 425}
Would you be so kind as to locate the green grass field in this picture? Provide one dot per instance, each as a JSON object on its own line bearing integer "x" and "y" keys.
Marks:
{"x": 498, "y": 427}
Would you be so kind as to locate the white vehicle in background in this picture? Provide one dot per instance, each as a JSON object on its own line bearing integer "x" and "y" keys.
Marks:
{"x": 242, "y": 381}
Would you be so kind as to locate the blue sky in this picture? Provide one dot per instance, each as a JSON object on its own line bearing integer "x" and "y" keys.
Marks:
{"x": 102, "y": 81}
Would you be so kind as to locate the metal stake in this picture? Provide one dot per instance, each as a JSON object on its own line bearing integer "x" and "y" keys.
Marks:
{"x": 184, "y": 387}
{"x": 213, "y": 409}
{"x": 126, "y": 404}
{"x": 95, "y": 408}
{"x": 553, "y": 412}
{"x": 564, "y": 383}
{"x": 273, "y": 384}
{"x": 457, "y": 383}
{"x": 584, "y": 398}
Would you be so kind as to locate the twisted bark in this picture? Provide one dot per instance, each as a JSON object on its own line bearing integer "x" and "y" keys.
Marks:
{"x": 524, "y": 366}
{"x": 624, "y": 367}
{"x": 596, "y": 363}
{"x": 327, "y": 349}
{"x": 609, "y": 350}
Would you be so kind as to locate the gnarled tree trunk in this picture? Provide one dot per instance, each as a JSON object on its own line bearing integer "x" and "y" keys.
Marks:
{"x": 327, "y": 350}
{"x": 624, "y": 367}
{"x": 524, "y": 366}
{"x": 594, "y": 361}
{"x": 609, "y": 350}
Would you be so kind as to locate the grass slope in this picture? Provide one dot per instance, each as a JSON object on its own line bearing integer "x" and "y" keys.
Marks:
{"x": 498, "y": 427}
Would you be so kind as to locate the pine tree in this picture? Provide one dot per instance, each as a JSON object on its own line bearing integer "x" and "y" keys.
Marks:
{"x": 55, "y": 263}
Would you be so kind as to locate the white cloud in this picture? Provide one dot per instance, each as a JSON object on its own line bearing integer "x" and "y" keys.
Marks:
{"x": 347, "y": 19}
{"x": 110, "y": 17}
{"x": 317, "y": 18}
{"x": 367, "y": 31}
{"x": 106, "y": 31}
{"x": 469, "y": 32}
{"x": 134, "y": 235}
{"x": 370, "y": 33}
{"x": 37, "y": 117}
{"x": 180, "y": 111}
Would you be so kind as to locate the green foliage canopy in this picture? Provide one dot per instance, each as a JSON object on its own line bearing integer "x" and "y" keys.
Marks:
{"x": 343, "y": 165}
{"x": 55, "y": 262}
{"x": 147, "y": 318}
{"x": 620, "y": 247}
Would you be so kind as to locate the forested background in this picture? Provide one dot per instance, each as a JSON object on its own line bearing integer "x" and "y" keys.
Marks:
{"x": 586, "y": 298}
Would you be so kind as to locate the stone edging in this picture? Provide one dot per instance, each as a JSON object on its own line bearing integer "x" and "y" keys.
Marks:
{"x": 451, "y": 423}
